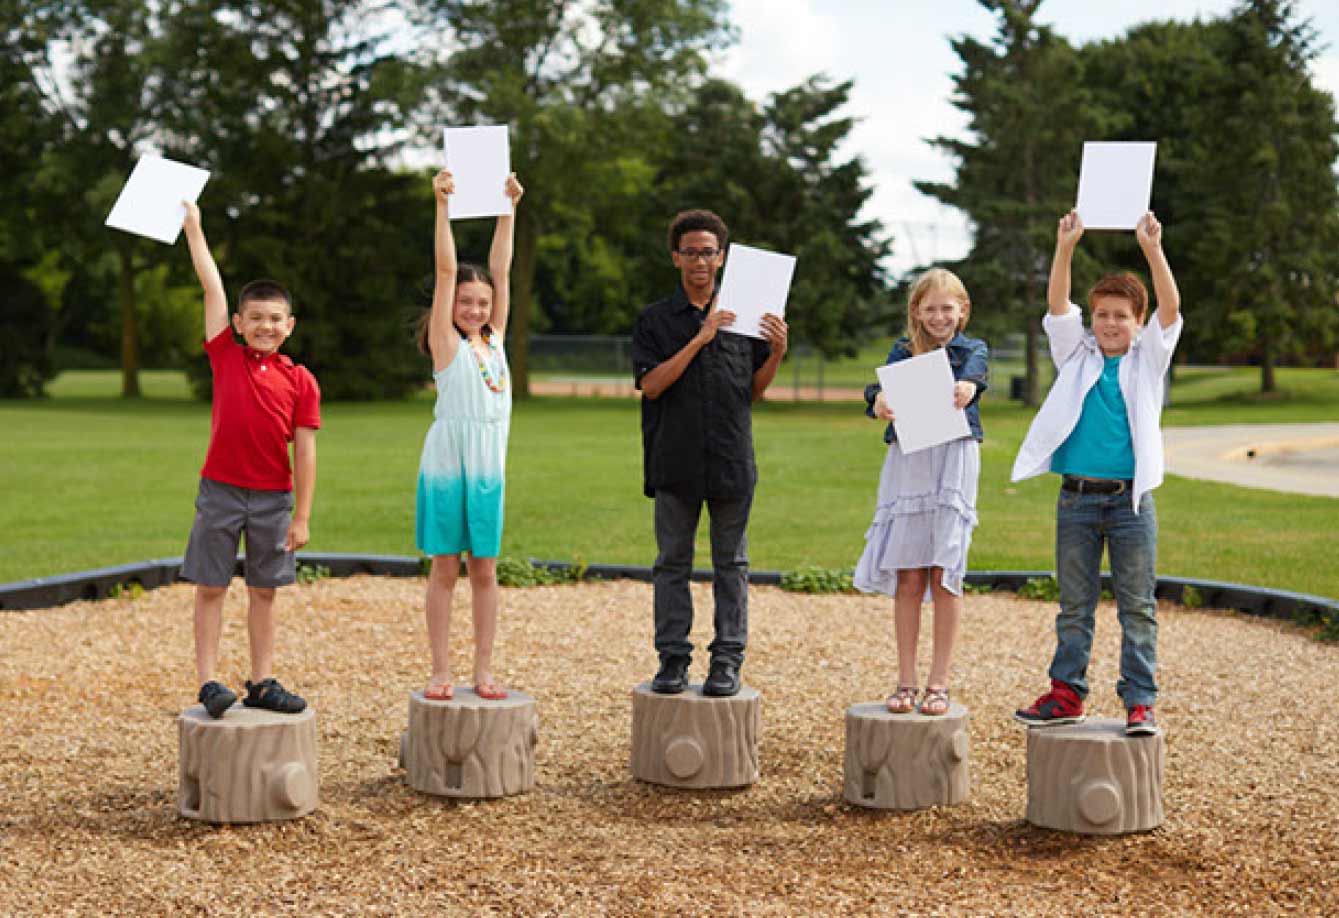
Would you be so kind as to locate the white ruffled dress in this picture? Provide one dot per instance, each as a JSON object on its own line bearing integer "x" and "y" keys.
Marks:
{"x": 924, "y": 517}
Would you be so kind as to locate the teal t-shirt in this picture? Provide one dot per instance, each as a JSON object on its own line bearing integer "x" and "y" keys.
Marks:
{"x": 1100, "y": 445}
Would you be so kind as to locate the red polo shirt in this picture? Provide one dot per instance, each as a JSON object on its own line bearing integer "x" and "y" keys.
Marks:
{"x": 259, "y": 400}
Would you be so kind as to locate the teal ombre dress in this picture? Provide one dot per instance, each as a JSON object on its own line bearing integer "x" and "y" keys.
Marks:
{"x": 460, "y": 477}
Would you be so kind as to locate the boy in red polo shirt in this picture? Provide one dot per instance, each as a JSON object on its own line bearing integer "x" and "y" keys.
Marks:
{"x": 262, "y": 402}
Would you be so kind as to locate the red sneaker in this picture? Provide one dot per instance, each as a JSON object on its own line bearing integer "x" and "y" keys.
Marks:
{"x": 1139, "y": 721}
{"x": 1061, "y": 705}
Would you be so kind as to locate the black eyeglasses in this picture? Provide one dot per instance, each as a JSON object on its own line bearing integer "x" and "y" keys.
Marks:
{"x": 704, "y": 254}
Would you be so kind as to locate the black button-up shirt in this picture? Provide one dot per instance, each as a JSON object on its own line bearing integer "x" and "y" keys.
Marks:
{"x": 698, "y": 435}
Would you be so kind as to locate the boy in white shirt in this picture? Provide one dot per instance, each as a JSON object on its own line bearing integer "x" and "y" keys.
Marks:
{"x": 1099, "y": 428}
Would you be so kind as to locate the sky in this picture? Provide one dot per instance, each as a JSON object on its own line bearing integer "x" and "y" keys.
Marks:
{"x": 898, "y": 54}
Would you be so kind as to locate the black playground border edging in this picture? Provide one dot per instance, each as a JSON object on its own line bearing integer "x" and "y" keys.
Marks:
{"x": 45, "y": 592}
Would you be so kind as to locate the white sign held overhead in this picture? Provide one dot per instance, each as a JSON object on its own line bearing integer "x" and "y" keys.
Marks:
{"x": 480, "y": 160}
{"x": 150, "y": 203}
{"x": 920, "y": 392}
{"x": 1115, "y": 184}
{"x": 756, "y": 281}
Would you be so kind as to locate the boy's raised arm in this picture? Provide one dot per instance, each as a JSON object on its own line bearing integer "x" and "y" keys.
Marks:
{"x": 216, "y": 299}
{"x": 499, "y": 258}
{"x": 1067, "y": 235}
{"x": 442, "y": 337}
{"x": 1149, "y": 233}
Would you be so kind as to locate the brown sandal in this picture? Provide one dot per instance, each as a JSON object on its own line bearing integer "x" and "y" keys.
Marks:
{"x": 937, "y": 700}
{"x": 902, "y": 701}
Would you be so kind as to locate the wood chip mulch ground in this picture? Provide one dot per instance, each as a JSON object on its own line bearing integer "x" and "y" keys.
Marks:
{"x": 90, "y": 693}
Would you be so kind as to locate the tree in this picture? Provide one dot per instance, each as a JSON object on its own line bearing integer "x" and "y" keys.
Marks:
{"x": 297, "y": 108}
{"x": 30, "y": 280}
{"x": 1267, "y": 239}
{"x": 1028, "y": 115}
{"x": 570, "y": 78}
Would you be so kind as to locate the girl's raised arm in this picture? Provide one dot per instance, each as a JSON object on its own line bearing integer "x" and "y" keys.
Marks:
{"x": 499, "y": 259}
{"x": 442, "y": 336}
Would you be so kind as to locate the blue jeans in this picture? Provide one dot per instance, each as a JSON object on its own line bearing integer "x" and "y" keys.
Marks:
{"x": 1083, "y": 523}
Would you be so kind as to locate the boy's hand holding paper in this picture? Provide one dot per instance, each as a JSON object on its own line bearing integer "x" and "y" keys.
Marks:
{"x": 150, "y": 204}
{"x": 756, "y": 282}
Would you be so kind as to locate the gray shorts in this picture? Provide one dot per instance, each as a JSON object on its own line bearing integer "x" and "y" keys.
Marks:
{"x": 222, "y": 513}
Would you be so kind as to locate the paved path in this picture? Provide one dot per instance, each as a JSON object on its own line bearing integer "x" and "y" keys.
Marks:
{"x": 1299, "y": 458}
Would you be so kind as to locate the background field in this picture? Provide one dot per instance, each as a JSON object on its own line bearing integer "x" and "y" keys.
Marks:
{"x": 93, "y": 480}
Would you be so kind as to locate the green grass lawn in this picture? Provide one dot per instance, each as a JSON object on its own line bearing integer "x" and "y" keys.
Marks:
{"x": 92, "y": 480}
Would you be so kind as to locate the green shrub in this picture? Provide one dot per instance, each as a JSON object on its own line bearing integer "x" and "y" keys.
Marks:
{"x": 1042, "y": 588}
{"x": 310, "y": 573}
{"x": 518, "y": 572}
{"x": 127, "y": 591}
{"x": 977, "y": 589}
{"x": 818, "y": 580}
{"x": 1192, "y": 598}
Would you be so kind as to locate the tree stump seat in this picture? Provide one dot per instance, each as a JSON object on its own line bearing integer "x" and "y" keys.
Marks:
{"x": 250, "y": 765}
{"x": 905, "y": 761}
{"x": 695, "y": 740}
{"x": 469, "y": 746}
{"x": 1092, "y": 779}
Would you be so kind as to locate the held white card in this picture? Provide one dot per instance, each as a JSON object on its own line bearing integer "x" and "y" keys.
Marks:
{"x": 1115, "y": 184}
{"x": 480, "y": 160}
{"x": 920, "y": 392}
{"x": 756, "y": 281}
{"x": 150, "y": 203}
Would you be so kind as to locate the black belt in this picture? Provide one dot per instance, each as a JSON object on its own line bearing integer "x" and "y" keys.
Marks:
{"x": 1096, "y": 485}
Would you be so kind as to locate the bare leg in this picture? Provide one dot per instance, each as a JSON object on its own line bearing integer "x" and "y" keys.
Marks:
{"x": 948, "y": 610}
{"x": 208, "y": 628}
{"x": 907, "y": 621}
{"x": 260, "y": 629}
{"x": 441, "y": 586}
{"x": 484, "y": 600}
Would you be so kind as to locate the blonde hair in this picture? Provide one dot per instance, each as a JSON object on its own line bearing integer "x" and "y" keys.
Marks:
{"x": 936, "y": 280}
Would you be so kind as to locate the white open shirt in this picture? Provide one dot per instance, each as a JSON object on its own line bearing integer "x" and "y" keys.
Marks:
{"x": 1079, "y": 361}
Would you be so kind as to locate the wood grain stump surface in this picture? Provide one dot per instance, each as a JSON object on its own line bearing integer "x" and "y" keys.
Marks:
{"x": 470, "y": 746}
{"x": 906, "y": 761}
{"x": 695, "y": 740}
{"x": 1092, "y": 779}
{"x": 250, "y": 765}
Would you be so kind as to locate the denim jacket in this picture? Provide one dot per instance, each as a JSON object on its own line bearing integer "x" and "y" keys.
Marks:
{"x": 968, "y": 359}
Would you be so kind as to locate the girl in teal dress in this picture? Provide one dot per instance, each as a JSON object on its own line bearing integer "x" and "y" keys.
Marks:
{"x": 461, "y": 474}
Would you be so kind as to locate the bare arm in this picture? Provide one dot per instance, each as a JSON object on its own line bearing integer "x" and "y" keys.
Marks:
{"x": 304, "y": 487}
{"x": 1067, "y": 235}
{"x": 216, "y": 299}
{"x": 775, "y": 331}
{"x": 1149, "y": 233}
{"x": 499, "y": 259}
{"x": 667, "y": 373}
{"x": 442, "y": 337}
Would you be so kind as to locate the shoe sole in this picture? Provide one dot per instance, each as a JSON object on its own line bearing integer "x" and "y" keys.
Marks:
{"x": 720, "y": 693}
{"x": 1051, "y": 721}
{"x": 1141, "y": 731}
{"x": 667, "y": 689}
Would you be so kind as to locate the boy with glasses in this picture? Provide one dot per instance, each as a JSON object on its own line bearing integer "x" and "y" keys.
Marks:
{"x": 698, "y": 388}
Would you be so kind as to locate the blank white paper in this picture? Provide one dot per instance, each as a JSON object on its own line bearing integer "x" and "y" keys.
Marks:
{"x": 150, "y": 203}
{"x": 480, "y": 161}
{"x": 920, "y": 392}
{"x": 756, "y": 281}
{"x": 1115, "y": 184}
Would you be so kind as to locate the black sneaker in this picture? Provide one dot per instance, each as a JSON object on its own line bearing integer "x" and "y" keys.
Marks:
{"x": 722, "y": 678}
{"x": 672, "y": 678}
{"x": 270, "y": 695}
{"x": 216, "y": 698}
{"x": 1139, "y": 721}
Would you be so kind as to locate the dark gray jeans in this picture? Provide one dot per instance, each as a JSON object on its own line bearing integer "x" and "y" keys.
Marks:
{"x": 677, "y": 515}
